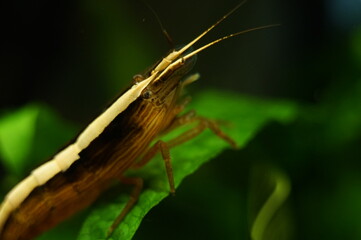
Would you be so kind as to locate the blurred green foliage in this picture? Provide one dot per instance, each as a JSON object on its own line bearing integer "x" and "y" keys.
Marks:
{"x": 25, "y": 136}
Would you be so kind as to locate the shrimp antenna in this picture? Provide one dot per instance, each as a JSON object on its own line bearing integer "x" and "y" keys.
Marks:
{"x": 226, "y": 37}
{"x": 164, "y": 30}
{"x": 185, "y": 48}
{"x": 175, "y": 54}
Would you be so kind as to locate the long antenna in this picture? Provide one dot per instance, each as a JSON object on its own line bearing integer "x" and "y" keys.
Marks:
{"x": 181, "y": 60}
{"x": 226, "y": 37}
{"x": 175, "y": 54}
{"x": 185, "y": 48}
{"x": 164, "y": 30}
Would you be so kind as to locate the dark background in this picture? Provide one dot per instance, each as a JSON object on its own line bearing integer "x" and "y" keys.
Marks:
{"x": 59, "y": 52}
{"x": 77, "y": 55}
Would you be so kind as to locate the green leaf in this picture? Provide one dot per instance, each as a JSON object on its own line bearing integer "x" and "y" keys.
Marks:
{"x": 30, "y": 135}
{"x": 245, "y": 116}
{"x": 17, "y": 132}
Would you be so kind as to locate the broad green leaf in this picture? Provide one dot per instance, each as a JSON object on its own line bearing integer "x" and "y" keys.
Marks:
{"x": 17, "y": 132}
{"x": 29, "y": 136}
{"x": 245, "y": 116}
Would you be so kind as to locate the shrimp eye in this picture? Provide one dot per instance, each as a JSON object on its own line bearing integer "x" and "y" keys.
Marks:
{"x": 147, "y": 94}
